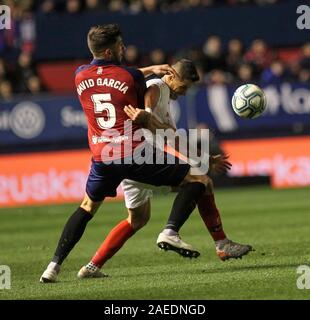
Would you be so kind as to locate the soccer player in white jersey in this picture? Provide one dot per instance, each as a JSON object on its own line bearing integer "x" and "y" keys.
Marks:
{"x": 137, "y": 195}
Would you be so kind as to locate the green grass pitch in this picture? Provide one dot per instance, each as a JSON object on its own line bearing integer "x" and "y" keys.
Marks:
{"x": 275, "y": 222}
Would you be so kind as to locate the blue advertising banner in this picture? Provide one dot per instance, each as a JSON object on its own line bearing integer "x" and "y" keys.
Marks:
{"x": 288, "y": 111}
{"x": 59, "y": 121}
{"x": 39, "y": 121}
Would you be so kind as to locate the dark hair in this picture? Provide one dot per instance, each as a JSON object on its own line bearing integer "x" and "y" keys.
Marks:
{"x": 187, "y": 70}
{"x": 102, "y": 36}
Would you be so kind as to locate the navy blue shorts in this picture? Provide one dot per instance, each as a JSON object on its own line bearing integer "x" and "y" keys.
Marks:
{"x": 104, "y": 179}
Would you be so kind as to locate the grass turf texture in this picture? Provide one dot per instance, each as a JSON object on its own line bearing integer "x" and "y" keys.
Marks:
{"x": 275, "y": 222}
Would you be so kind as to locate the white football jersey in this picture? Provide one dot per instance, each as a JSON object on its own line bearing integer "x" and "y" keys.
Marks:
{"x": 136, "y": 193}
{"x": 162, "y": 109}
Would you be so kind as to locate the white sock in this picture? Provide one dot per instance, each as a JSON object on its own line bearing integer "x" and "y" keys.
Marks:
{"x": 54, "y": 266}
{"x": 170, "y": 232}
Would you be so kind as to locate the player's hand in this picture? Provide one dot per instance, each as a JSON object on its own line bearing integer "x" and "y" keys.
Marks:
{"x": 138, "y": 116}
{"x": 162, "y": 69}
{"x": 219, "y": 163}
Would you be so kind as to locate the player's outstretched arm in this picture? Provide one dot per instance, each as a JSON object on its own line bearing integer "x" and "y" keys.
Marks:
{"x": 160, "y": 70}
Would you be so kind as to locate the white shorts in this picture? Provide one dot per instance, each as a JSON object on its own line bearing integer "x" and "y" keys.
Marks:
{"x": 136, "y": 194}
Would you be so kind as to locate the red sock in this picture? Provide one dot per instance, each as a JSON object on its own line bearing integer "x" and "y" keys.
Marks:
{"x": 113, "y": 242}
{"x": 211, "y": 216}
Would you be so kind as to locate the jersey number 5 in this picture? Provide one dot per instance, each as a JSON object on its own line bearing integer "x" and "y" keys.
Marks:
{"x": 101, "y": 104}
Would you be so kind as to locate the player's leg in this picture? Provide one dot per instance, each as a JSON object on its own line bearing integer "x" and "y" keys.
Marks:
{"x": 72, "y": 232}
{"x": 173, "y": 172}
{"x": 190, "y": 191}
{"x": 169, "y": 238}
{"x": 137, "y": 200}
{"x": 102, "y": 181}
{"x": 210, "y": 214}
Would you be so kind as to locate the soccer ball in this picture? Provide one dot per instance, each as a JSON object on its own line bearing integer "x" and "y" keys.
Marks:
{"x": 249, "y": 101}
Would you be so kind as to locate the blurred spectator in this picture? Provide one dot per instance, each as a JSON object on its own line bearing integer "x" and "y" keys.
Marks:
{"x": 6, "y": 91}
{"x": 26, "y": 5}
{"x": 157, "y": 56}
{"x": 275, "y": 74}
{"x": 132, "y": 56}
{"x": 34, "y": 85}
{"x": 11, "y": 36}
{"x": 196, "y": 54}
{"x": 259, "y": 55}
{"x": 21, "y": 36}
{"x": 300, "y": 70}
{"x": 193, "y": 4}
{"x": 304, "y": 76}
{"x": 294, "y": 69}
{"x": 23, "y": 72}
{"x": 304, "y": 64}
{"x": 207, "y": 3}
{"x": 4, "y": 75}
{"x": 93, "y": 5}
{"x": 47, "y": 7}
{"x": 216, "y": 77}
{"x": 213, "y": 55}
{"x": 245, "y": 73}
{"x": 234, "y": 56}
{"x": 135, "y": 6}
{"x": 305, "y": 58}
{"x": 27, "y": 31}
{"x": 117, "y": 6}
{"x": 73, "y": 6}
{"x": 150, "y": 5}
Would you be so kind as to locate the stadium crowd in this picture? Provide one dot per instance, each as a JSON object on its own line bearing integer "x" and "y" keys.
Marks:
{"x": 218, "y": 62}
{"x": 123, "y": 6}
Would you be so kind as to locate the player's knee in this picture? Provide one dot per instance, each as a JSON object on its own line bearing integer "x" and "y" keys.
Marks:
{"x": 141, "y": 222}
{"x": 203, "y": 179}
{"x": 88, "y": 208}
{"x": 89, "y": 205}
{"x": 209, "y": 186}
{"x": 138, "y": 217}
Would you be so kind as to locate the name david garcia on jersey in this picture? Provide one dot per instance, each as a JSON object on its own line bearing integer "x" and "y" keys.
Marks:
{"x": 107, "y": 82}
